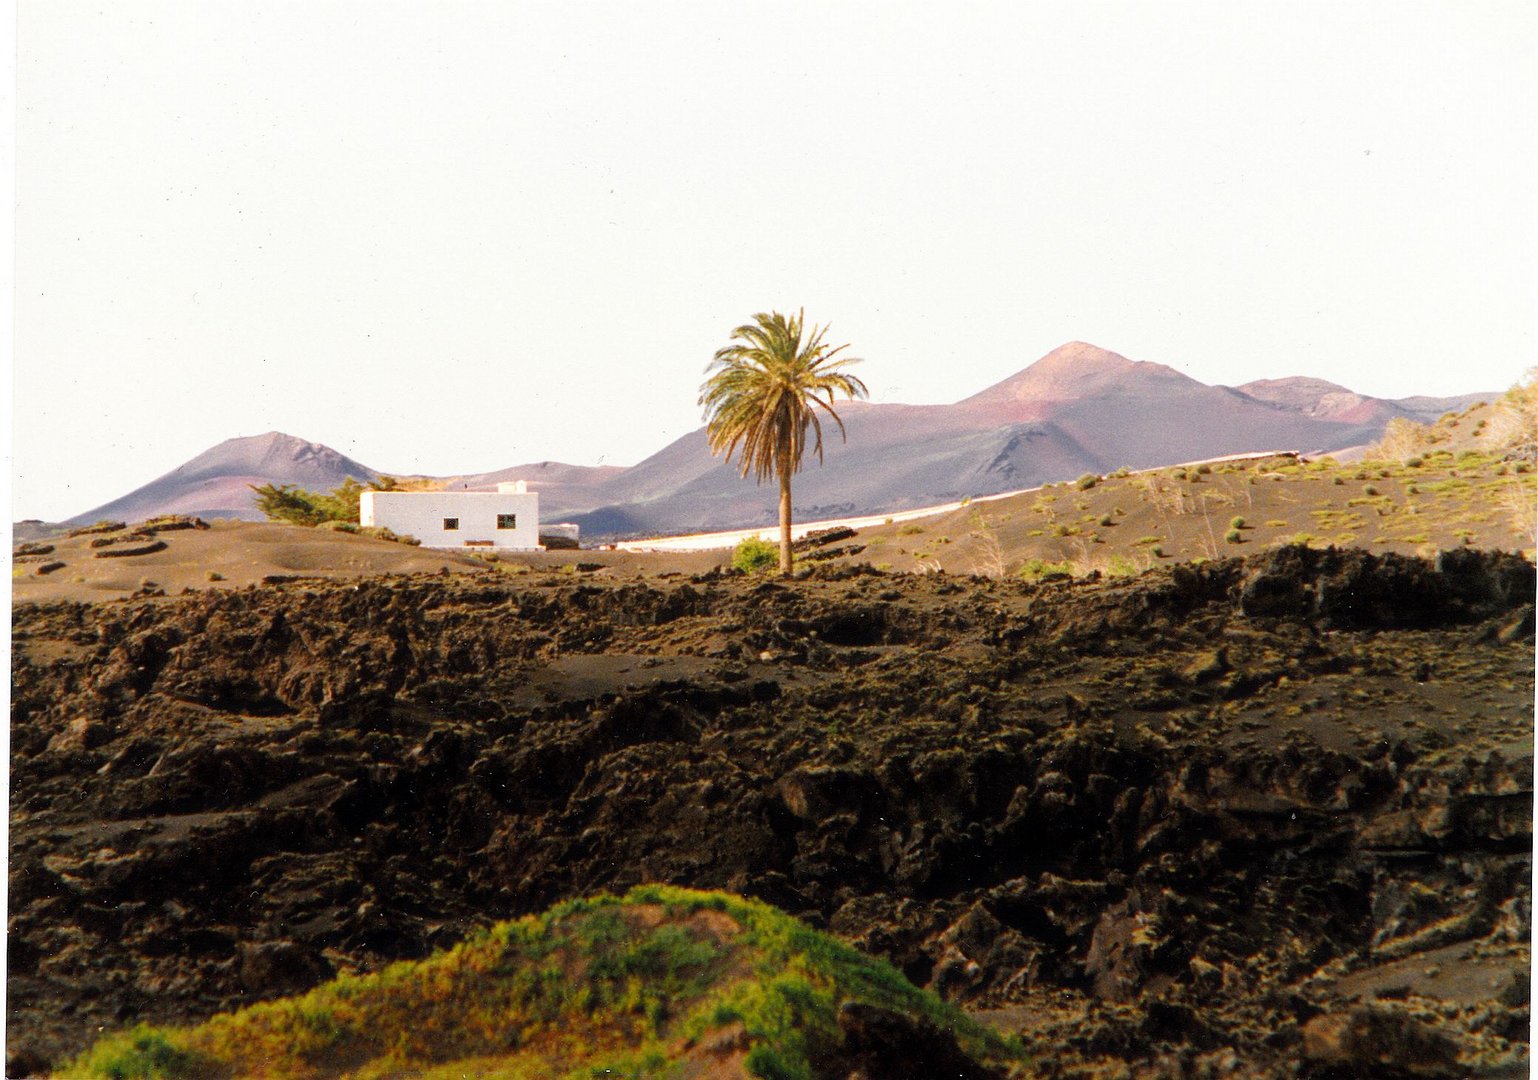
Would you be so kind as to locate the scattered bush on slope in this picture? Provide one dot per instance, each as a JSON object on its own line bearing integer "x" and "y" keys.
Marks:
{"x": 638, "y": 985}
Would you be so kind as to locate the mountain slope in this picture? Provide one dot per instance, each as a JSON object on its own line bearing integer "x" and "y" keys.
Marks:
{"x": 217, "y": 482}
{"x": 563, "y": 489}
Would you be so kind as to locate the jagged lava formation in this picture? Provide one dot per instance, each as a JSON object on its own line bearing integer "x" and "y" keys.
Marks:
{"x": 1265, "y": 817}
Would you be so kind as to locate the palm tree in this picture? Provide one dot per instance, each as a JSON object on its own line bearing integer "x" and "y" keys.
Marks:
{"x": 763, "y": 394}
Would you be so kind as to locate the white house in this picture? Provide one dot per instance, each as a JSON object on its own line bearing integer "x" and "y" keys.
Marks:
{"x": 507, "y": 518}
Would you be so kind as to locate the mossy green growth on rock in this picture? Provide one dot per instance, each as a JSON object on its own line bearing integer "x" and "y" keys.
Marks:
{"x": 660, "y": 982}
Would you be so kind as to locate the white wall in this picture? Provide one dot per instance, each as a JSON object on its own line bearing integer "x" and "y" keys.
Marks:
{"x": 421, "y": 514}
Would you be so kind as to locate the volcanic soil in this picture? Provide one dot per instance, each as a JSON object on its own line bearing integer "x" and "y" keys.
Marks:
{"x": 221, "y": 555}
{"x": 1263, "y": 817}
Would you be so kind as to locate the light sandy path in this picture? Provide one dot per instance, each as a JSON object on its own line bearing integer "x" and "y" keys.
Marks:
{"x": 710, "y": 541}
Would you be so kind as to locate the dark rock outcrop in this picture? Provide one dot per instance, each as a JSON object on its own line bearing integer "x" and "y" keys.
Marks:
{"x": 1151, "y": 816}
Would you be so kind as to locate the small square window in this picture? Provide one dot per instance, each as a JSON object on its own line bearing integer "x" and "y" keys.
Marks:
{"x": 507, "y": 521}
{"x": 450, "y": 524}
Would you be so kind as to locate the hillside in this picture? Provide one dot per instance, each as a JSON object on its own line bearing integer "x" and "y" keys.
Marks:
{"x": 1266, "y": 817}
{"x": 1123, "y": 523}
{"x": 1078, "y": 409}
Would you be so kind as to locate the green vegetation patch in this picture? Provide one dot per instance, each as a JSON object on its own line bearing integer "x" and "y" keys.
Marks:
{"x": 754, "y": 555}
{"x": 1043, "y": 570}
{"x": 291, "y": 503}
{"x": 630, "y": 986}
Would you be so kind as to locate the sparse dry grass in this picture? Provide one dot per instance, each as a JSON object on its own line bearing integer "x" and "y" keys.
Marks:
{"x": 1452, "y": 498}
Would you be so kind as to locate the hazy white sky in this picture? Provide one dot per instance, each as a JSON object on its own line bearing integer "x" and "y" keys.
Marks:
{"x": 455, "y": 237}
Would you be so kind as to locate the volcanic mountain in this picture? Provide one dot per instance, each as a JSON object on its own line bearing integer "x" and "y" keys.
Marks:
{"x": 217, "y": 483}
{"x": 1078, "y": 409}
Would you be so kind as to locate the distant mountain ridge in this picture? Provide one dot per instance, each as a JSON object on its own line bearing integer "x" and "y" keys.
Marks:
{"x": 1078, "y": 409}
{"x": 1321, "y": 398}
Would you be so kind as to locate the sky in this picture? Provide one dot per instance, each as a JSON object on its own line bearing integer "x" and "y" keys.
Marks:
{"x": 454, "y": 237}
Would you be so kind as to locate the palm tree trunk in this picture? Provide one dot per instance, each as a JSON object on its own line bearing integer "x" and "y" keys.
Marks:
{"x": 784, "y": 521}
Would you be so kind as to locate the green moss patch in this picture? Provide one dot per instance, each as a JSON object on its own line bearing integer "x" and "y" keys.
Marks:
{"x": 641, "y": 986}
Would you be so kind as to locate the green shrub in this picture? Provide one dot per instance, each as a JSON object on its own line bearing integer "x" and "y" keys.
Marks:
{"x": 1042, "y": 570}
{"x": 1107, "y": 520}
{"x": 288, "y": 502}
{"x": 1369, "y": 490}
{"x": 1414, "y": 462}
{"x": 214, "y": 575}
{"x": 1087, "y": 481}
{"x": 1204, "y": 469}
{"x": 910, "y": 530}
{"x": 754, "y": 555}
{"x": 145, "y": 1053}
{"x": 1236, "y": 522}
{"x": 1234, "y": 536}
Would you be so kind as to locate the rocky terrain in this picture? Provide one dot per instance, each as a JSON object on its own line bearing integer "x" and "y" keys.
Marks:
{"x": 1264, "y": 817}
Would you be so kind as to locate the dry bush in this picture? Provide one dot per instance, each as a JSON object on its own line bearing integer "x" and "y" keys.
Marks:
{"x": 989, "y": 561}
{"x": 1402, "y": 439}
{"x": 1519, "y": 501}
{"x": 1513, "y": 423}
{"x": 1166, "y": 496}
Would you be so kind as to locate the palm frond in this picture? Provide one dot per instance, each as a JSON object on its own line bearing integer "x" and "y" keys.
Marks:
{"x": 765, "y": 389}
